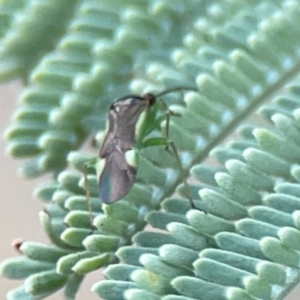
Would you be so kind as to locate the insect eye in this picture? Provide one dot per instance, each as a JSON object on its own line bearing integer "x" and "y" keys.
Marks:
{"x": 150, "y": 98}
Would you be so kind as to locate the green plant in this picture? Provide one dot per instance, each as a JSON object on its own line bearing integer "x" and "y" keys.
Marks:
{"x": 240, "y": 55}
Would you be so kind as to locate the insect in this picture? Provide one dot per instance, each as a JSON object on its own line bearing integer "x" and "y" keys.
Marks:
{"x": 118, "y": 176}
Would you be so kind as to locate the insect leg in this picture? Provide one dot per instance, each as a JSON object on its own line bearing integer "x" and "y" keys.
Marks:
{"x": 183, "y": 178}
{"x": 169, "y": 113}
{"x": 88, "y": 192}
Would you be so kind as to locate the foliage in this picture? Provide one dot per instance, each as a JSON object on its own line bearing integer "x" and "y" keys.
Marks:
{"x": 74, "y": 58}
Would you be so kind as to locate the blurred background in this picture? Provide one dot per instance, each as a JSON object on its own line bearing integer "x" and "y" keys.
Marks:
{"x": 19, "y": 210}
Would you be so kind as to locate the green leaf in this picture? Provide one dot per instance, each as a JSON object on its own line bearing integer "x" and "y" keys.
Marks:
{"x": 44, "y": 283}
{"x": 239, "y": 58}
{"x": 88, "y": 265}
{"x": 40, "y": 252}
{"x": 20, "y": 268}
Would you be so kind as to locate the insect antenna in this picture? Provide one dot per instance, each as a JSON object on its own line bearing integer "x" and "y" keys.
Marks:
{"x": 175, "y": 89}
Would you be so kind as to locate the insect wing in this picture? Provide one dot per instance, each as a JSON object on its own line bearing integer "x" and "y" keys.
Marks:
{"x": 106, "y": 145}
{"x": 117, "y": 178}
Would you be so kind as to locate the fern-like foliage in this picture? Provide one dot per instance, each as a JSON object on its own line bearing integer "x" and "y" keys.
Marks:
{"x": 241, "y": 56}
